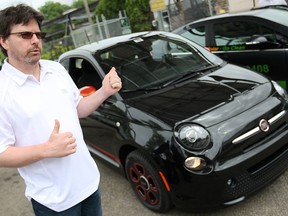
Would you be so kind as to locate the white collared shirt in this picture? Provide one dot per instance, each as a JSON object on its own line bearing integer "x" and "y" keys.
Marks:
{"x": 28, "y": 109}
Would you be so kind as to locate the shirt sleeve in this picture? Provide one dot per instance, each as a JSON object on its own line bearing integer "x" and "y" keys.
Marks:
{"x": 7, "y": 137}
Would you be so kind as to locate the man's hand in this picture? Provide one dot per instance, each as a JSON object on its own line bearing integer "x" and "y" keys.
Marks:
{"x": 111, "y": 82}
{"x": 60, "y": 144}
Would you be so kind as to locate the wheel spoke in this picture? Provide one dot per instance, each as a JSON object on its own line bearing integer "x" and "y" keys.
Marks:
{"x": 140, "y": 168}
{"x": 152, "y": 198}
{"x": 141, "y": 192}
{"x": 152, "y": 184}
{"x": 136, "y": 171}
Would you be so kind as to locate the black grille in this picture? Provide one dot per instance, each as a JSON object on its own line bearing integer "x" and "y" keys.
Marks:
{"x": 258, "y": 175}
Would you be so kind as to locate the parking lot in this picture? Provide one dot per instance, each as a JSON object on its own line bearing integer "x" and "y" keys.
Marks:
{"x": 118, "y": 199}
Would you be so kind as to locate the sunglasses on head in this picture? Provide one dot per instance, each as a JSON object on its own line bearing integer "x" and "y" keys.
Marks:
{"x": 29, "y": 35}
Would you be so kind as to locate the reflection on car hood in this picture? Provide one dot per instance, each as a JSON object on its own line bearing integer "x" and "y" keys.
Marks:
{"x": 205, "y": 100}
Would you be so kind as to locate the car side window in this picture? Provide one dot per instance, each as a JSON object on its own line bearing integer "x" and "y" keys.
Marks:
{"x": 245, "y": 33}
{"x": 234, "y": 33}
{"x": 196, "y": 34}
{"x": 82, "y": 72}
{"x": 274, "y": 36}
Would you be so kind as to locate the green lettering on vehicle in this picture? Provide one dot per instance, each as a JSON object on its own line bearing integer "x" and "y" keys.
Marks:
{"x": 261, "y": 68}
{"x": 226, "y": 48}
{"x": 232, "y": 48}
{"x": 238, "y": 47}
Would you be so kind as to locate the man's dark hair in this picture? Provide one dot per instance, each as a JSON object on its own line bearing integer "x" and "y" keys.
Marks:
{"x": 14, "y": 15}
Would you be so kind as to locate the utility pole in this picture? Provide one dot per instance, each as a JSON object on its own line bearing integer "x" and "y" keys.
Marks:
{"x": 210, "y": 8}
{"x": 87, "y": 11}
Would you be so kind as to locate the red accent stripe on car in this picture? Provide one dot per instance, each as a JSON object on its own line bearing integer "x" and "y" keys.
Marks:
{"x": 165, "y": 181}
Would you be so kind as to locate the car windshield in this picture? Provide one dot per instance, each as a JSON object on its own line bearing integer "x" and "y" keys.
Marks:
{"x": 155, "y": 61}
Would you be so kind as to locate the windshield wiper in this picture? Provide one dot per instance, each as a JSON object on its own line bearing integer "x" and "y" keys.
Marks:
{"x": 190, "y": 74}
{"x": 142, "y": 89}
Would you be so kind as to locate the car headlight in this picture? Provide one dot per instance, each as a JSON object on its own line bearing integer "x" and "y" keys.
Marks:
{"x": 192, "y": 137}
{"x": 281, "y": 91}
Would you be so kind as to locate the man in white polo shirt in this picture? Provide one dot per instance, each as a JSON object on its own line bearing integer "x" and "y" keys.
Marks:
{"x": 40, "y": 133}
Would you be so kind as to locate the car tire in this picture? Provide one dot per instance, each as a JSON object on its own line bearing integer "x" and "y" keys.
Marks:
{"x": 146, "y": 182}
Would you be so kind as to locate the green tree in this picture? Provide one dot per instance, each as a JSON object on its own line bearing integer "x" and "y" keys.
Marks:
{"x": 138, "y": 12}
{"x": 109, "y": 8}
{"x": 2, "y": 57}
{"x": 80, "y": 3}
{"x": 53, "y": 10}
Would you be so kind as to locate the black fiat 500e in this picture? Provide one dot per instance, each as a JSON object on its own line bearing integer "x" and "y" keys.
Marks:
{"x": 187, "y": 129}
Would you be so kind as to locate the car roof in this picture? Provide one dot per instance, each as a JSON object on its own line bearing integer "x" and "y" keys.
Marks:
{"x": 102, "y": 44}
{"x": 274, "y": 13}
{"x": 105, "y": 43}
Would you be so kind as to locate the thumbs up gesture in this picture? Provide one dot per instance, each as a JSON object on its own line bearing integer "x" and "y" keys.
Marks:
{"x": 112, "y": 82}
{"x": 60, "y": 144}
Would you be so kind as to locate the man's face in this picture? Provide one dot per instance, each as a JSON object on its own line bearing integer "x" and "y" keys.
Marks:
{"x": 22, "y": 49}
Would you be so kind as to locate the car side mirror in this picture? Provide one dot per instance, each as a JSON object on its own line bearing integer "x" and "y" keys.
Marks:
{"x": 87, "y": 90}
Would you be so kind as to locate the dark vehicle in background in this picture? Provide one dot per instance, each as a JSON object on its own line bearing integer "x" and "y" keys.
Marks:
{"x": 257, "y": 39}
{"x": 187, "y": 129}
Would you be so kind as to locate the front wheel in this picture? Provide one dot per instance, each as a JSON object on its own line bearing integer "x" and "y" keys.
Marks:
{"x": 146, "y": 182}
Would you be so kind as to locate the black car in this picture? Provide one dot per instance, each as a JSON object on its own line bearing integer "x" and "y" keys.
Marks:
{"x": 187, "y": 129}
{"x": 257, "y": 39}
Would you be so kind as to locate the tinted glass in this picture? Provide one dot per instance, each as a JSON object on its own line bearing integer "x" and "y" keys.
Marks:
{"x": 246, "y": 33}
{"x": 235, "y": 33}
{"x": 147, "y": 62}
{"x": 196, "y": 34}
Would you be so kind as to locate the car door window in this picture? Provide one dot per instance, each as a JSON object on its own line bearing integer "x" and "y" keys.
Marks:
{"x": 234, "y": 33}
{"x": 196, "y": 34}
{"x": 82, "y": 72}
{"x": 247, "y": 34}
{"x": 274, "y": 36}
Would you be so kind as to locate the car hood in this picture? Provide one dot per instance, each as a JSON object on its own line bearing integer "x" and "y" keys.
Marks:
{"x": 208, "y": 99}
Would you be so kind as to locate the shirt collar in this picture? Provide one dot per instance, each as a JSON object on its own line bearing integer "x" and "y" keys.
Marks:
{"x": 20, "y": 77}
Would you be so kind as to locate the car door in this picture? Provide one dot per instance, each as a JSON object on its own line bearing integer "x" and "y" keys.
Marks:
{"x": 251, "y": 43}
{"x": 104, "y": 129}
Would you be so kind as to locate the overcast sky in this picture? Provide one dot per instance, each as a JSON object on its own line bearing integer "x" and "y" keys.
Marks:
{"x": 34, "y": 3}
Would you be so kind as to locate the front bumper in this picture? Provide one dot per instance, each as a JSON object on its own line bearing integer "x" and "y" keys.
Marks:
{"x": 230, "y": 184}
{"x": 234, "y": 176}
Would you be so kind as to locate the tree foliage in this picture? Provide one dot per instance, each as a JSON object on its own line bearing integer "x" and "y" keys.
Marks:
{"x": 53, "y": 10}
{"x": 109, "y": 8}
{"x": 138, "y": 12}
{"x": 80, "y": 3}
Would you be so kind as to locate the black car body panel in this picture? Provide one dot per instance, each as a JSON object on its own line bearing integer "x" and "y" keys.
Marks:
{"x": 257, "y": 39}
{"x": 186, "y": 108}
{"x": 208, "y": 92}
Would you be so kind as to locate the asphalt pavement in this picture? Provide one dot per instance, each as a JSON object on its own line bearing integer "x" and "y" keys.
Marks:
{"x": 119, "y": 200}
